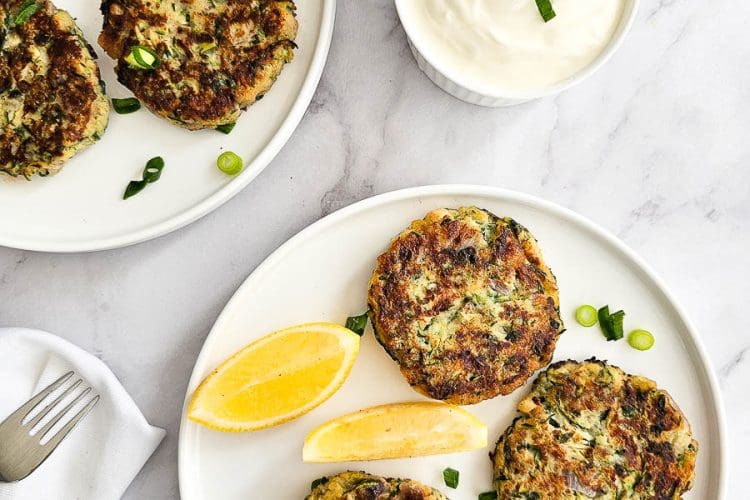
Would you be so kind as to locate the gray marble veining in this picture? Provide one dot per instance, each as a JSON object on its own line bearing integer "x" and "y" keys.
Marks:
{"x": 654, "y": 148}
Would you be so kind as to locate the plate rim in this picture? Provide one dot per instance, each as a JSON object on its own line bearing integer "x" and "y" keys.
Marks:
{"x": 282, "y": 135}
{"x": 466, "y": 190}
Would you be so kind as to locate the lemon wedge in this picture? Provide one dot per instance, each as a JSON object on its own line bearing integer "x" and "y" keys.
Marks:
{"x": 275, "y": 379}
{"x": 397, "y": 430}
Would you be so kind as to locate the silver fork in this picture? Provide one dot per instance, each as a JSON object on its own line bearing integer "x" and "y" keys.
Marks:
{"x": 21, "y": 452}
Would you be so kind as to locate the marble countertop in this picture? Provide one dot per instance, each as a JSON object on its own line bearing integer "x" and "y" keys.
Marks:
{"x": 653, "y": 147}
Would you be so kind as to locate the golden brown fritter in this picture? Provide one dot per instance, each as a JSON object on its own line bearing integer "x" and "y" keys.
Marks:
{"x": 590, "y": 430}
{"x": 52, "y": 101}
{"x": 363, "y": 486}
{"x": 464, "y": 303}
{"x": 216, "y": 57}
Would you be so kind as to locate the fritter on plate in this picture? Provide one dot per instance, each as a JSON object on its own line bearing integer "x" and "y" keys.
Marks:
{"x": 590, "y": 430}
{"x": 363, "y": 486}
{"x": 214, "y": 57}
{"x": 463, "y": 301}
{"x": 52, "y": 101}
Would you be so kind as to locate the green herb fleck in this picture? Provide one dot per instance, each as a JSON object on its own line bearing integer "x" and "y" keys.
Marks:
{"x": 357, "y": 324}
{"x": 151, "y": 174}
{"x": 28, "y": 9}
{"x": 134, "y": 187}
{"x": 126, "y": 106}
{"x": 611, "y": 324}
{"x": 318, "y": 482}
{"x": 487, "y": 495}
{"x": 226, "y": 128}
{"x": 141, "y": 57}
{"x": 546, "y": 10}
{"x": 206, "y": 47}
{"x": 153, "y": 169}
{"x": 450, "y": 476}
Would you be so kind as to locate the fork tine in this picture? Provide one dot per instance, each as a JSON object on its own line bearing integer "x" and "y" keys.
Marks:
{"x": 32, "y": 403}
{"x": 49, "y": 407}
{"x": 44, "y": 430}
{"x": 50, "y": 446}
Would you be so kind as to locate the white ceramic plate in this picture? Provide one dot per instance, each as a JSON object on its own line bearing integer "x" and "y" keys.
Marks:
{"x": 321, "y": 275}
{"x": 81, "y": 208}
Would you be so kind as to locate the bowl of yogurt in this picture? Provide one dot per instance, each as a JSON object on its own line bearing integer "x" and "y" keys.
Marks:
{"x": 503, "y": 52}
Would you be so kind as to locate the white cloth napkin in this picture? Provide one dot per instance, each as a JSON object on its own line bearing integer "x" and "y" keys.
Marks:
{"x": 102, "y": 455}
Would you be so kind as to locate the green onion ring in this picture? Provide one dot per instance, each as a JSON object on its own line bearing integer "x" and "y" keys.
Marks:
{"x": 586, "y": 315}
{"x": 230, "y": 163}
{"x": 642, "y": 340}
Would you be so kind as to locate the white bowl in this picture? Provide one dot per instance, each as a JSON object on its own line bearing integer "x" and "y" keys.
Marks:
{"x": 452, "y": 83}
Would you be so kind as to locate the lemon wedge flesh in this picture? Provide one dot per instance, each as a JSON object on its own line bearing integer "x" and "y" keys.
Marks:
{"x": 275, "y": 379}
{"x": 398, "y": 430}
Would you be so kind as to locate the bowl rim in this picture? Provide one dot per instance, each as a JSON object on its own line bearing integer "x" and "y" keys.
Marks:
{"x": 627, "y": 20}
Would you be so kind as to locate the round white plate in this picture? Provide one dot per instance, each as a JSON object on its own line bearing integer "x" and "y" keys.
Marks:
{"x": 81, "y": 208}
{"x": 321, "y": 275}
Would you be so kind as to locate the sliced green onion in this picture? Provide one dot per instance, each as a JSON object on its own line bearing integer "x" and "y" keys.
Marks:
{"x": 126, "y": 106}
{"x": 357, "y": 324}
{"x": 603, "y": 315}
{"x": 151, "y": 173}
{"x": 153, "y": 169}
{"x": 546, "y": 10}
{"x": 450, "y": 476}
{"x": 229, "y": 163}
{"x": 616, "y": 320}
{"x": 141, "y": 57}
{"x": 487, "y": 495}
{"x": 226, "y": 128}
{"x": 586, "y": 315}
{"x": 134, "y": 187}
{"x": 611, "y": 324}
{"x": 641, "y": 340}
{"x": 28, "y": 9}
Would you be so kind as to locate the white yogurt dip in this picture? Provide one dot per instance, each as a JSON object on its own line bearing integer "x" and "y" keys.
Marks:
{"x": 496, "y": 45}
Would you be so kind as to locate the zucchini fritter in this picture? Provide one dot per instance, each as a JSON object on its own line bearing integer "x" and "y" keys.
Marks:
{"x": 363, "y": 486}
{"x": 589, "y": 430}
{"x": 463, "y": 301}
{"x": 52, "y": 101}
{"x": 216, "y": 57}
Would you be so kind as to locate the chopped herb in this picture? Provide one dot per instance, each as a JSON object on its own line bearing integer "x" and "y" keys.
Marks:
{"x": 357, "y": 324}
{"x": 450, "y": 476}
{"x": 126, "y": 106}
{"x": 226, "y": 128}
{"x": 153, "y": 169}
{"x": 230, "y": 163}
{"x": 641, "y": 340}
{"x": 151, "y": 173}
{"x": 611, "y": 324}
{"x": 586, "y": 315}
{"x": 141, "y": 57}
{"x": 617, "y": 319}
{"x": 28, "y": 9}
{"x": 134, "y": 187}
{"x": 487, "y": 495}
{"x": 546, "y": 10}
{"x": 318, "y": 482}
